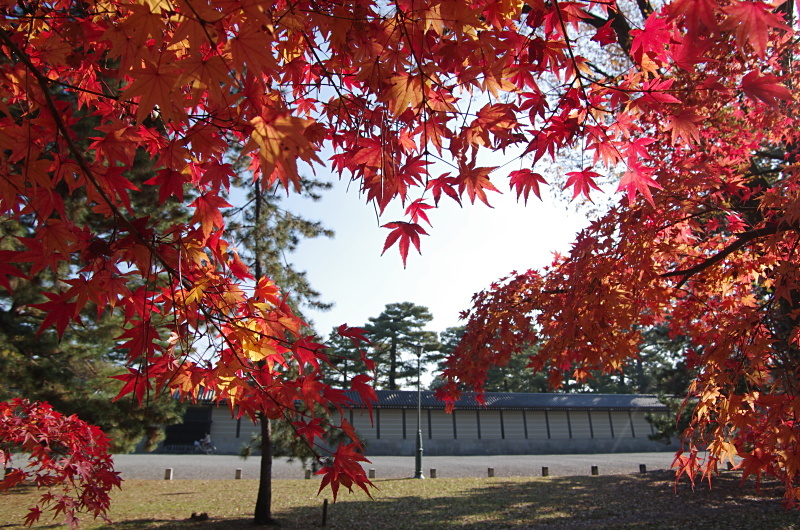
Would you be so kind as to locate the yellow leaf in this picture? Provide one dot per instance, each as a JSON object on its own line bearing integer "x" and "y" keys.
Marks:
{"x": 196, "y": 293}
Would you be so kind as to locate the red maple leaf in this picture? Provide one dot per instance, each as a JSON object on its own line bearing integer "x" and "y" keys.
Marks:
{"x": 33, "y": 515}
{"x": 356, "y": 335}
{"x": 404, "y": 233}
{"x": 476, "y": 181}
{"x": 637, "y": 179}
{"x": 345, "y": 470}
{"x": 170, "y": 183}
{"x": 768, "y": 88}
{"x": 416, "y": 210}
{"x": 310, "y": 430}
{"x": 444, "y": 184}
{"x": 360, "y": 385}
{"x": 135, "y": 382}
{"x": 525, "y": 181}
{"x": 751, "y": 21}
{"x": 207, "y": 212}
{"x": 582, "y": 182}
{"x": 684, "y": 126}
{"x": 59, "y": 311}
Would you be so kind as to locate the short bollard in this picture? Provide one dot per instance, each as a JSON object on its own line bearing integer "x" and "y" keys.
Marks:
{"x": 432, "y": 474}
{"x": 642, "y": 468}
{"x": 595, "y": 470}
{"x": 545, "y": 471}
{"x": 491, "y": 472}
{"x": 168, "y": 474}
{"x": 308, "y": 474}
{"x": 324, "y": 512}
{"x": 238, "y": 474}
{"x": 371, "y": 473}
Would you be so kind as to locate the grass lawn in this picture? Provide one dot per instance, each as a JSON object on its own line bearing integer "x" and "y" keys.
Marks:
{"x": 629, "y": 501}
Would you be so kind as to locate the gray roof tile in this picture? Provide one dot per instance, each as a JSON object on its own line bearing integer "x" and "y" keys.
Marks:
{"x": 404, "y": 399}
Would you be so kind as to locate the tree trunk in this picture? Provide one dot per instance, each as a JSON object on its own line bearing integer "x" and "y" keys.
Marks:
{"x": 263, "y": 515}
{"x": 393, "y": 365}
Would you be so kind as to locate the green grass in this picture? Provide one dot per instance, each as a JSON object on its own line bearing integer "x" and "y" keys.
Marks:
{"x": 634, "y": 501}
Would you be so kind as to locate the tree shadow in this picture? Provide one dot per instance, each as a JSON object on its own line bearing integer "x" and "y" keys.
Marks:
{"x": 302, "y": 521}
{"x": 631, "y": 501}
{"x": 641, "y": 501}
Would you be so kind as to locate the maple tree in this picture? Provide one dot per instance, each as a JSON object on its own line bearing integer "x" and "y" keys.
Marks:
{"x": 71, "y": 456}
{"x": 690, "y": 105}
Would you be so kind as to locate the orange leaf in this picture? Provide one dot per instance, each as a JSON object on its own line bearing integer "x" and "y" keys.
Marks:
{"x": 476, "y": 181}
{"x": 207, "y": 212}
{"x": 280, "y": 142}
{"x": 405, "y": 92}
{"x": 153, "y": 84}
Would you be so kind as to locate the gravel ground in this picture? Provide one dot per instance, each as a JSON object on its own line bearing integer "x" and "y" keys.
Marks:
{"x": 205, "y": 467}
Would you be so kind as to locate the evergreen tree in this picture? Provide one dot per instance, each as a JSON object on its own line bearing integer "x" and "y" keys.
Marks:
{"x": 268, "y": 233}
{"x": 397, "y": 331}
{"x": 669, "y": 377}
{"x": 345, "y": 359}
{"x": 74, "y": 374}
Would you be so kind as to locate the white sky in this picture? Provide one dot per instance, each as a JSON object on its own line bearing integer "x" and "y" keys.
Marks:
{"x": 467, "y": 249}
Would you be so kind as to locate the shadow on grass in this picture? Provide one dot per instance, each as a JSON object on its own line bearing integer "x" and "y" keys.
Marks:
{"x": 640, "y": 501}
{"x": 210, "y": 524}
{"x": 22, "y": 489}
{"x": 645, "y": 501}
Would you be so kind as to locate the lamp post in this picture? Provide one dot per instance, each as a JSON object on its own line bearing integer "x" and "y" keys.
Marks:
{"x": 418, "y": 458}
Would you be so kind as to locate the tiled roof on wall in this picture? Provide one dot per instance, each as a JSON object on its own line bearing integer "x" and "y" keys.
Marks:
{"x": 407, "y": 399}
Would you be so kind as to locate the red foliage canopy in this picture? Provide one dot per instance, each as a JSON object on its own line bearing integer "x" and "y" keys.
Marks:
{"x": 691, "y": 107}
{"x": 66, "y": 456}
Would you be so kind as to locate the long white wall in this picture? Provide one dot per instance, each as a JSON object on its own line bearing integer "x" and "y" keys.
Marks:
{"x": 505, "y": 432}
{"x": 393, "y": 431}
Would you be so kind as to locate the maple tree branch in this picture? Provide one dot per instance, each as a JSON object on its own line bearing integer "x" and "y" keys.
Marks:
{"x": 619, "y": 24}
{"x": 44, "y": 83}
{"x": 743, "y": 239}
{"x": 84, "y": 165}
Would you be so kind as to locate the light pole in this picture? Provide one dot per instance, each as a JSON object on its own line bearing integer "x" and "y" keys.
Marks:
{"x": 418, "y": 470}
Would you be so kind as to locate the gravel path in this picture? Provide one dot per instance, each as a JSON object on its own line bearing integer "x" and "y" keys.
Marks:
{"x": 205, "y": 467}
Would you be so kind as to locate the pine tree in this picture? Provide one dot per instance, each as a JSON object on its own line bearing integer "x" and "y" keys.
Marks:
{"x": 345, "y": 358}
{"x": 74, "y": 373}
{"x": 398, "y": 330}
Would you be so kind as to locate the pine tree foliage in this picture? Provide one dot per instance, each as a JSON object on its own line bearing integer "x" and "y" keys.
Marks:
{"x": 394, "y": 336}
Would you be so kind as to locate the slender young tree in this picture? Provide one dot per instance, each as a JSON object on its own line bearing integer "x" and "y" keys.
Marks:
{"x": 268, "y": 234}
